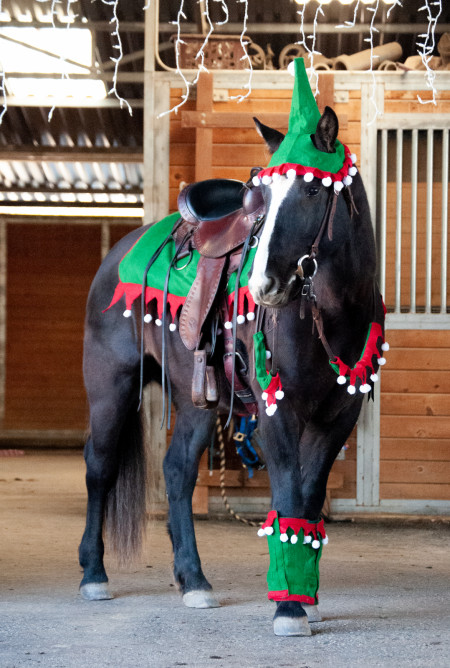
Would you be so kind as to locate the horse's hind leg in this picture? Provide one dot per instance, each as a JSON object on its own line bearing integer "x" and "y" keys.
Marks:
{"x": 192, "y": 433}
{"x": 113, "y": 452}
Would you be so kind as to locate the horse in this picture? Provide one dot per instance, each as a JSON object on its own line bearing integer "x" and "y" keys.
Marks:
{"x": 311, "y": 305}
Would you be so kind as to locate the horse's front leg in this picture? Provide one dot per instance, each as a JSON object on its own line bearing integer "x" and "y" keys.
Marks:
{"x": 292, "y": 572}
{"x": 192, "y": 433}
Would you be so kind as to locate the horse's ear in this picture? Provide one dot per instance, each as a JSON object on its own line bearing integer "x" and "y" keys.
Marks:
{"x": 327, "y": 131}
{"x": 272, "y": 137}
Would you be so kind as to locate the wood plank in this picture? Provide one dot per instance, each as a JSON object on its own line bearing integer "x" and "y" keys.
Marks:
{"x": 239, "y": 478}
{"x": 414, "y": 404}
{"x": 422, "y": 359}
{"x": 421, "y": 471}
{"x": 415, "y": 448}
{"x": 240, "y": 155}
{"x": 229, "y": 119}
{"x": 400, "y": 426}
{"x": 429, "y": 382}
{"x": 414, "y": 338}
{"x": 409, "y": 491}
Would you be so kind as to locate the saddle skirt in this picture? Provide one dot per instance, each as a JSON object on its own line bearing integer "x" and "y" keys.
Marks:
{"x": 210, "y": 258}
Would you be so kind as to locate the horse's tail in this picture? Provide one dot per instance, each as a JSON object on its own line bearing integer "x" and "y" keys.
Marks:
{"x": 125, "y": 515}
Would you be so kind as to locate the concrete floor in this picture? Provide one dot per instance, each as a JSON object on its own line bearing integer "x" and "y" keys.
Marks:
{"x": 384, "y": 590}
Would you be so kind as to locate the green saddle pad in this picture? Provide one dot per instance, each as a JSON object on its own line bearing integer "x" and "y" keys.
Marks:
{"x": 133, "y": 265}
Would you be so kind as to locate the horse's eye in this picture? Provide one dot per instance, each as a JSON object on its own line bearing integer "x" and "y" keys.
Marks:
{"x": 312, "y": 191}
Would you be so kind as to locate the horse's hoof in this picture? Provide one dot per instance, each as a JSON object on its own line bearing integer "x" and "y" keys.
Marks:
{"x": 313, "y": 612}
{"x": 200, "y": 598}
{"x": 291, "y": 626}
{"x": 95, "y": 591}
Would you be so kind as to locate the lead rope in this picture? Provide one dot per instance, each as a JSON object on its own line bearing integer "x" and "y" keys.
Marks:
{"x": 233, "y": 513}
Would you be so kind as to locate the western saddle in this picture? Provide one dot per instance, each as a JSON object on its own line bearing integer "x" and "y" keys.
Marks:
{"x": 218, "y": 217}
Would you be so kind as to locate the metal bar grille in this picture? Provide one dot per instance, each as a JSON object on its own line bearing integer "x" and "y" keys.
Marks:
{"x": 412, "y": 219}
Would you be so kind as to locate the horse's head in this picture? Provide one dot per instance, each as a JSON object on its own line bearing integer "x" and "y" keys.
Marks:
{"x": 295, "y": 210}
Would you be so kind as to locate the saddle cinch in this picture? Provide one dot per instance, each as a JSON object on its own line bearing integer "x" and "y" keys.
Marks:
{"x": 220, "y": 214}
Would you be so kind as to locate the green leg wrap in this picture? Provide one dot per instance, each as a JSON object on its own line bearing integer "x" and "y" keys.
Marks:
{"x": 295, "y": 548}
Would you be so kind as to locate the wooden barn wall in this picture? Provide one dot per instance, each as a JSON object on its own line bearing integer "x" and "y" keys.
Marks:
{"x": 415, "y": 416}
{"x": 49, "y": 268}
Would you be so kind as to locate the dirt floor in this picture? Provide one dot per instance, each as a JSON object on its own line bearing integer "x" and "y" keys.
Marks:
{"x": 385, "y": 592}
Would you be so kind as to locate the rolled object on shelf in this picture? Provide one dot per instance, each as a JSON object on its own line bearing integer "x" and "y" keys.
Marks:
{"x": 361, "y": 60}
{"x": 322, "y": 67}
{"x": 443, "y": 48}
{"x": 388, "y": 66}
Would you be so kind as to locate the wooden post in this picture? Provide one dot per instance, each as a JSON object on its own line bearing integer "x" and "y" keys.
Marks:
{"x": 325, "y": 97}
{"x": 203, "y": 135}
{"x": 156, "y": 206}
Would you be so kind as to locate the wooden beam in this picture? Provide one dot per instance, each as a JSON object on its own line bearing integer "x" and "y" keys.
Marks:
{"x": 224, "y": 119}
{"x": 57, "y": 154}
{"x": 203, "y": 134}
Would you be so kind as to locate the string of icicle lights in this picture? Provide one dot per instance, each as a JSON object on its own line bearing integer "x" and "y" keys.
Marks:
{"x": 425, "y": 45}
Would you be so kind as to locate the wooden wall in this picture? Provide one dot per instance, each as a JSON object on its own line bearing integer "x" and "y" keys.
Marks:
{"x": 50, "y": 266}
{"x": 415, "y": 416}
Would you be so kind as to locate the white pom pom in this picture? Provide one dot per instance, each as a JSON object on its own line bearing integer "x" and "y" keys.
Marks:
{"x": 325, "y": 540}
{"x": 306, "y": 540}
{"x": 291, "y": 174}
{"x": 264, "y": 396}
{"x": 147, "y": 317}
{"x": 353, "y": 158}
{"x": 228, "y": 325}
{"x": 338, "y": 185}
{"x": 374, "y": 377}
{"x": 279, "y": 394}
{"x": 341, "y": 380}
{"x": 172, "y": 327}
{"x": 250, "y": 315}
{"x": 315, "y": 544}
{"x": 267, "y": 180}
{"x": 381, "y": 361}
{"x": 127, "y": 313}
{"x": 347, "y": 180}
{"x": 284, "y": 537}
{"x": 158, "y": 322}
{"x": 276, "y": 176}
{"x": 351, "y": 389}
{"x": 261, "y": 532}
{"x": 240, "y": 319}
{"x": 268, "y": 531}
{"x": 294, "y": 539}
{"x": 291, "y": 68}
{"x": 308, "y": 176}
{"x": 385, "y": 346}
{"x": 270, "y": 410}
{"x": 365, "y": 388}
{"x": 268, "y": 354}
{"x": 256, "y": 181}
{"x": 327, "y": 181}
{"x": 352, "y": 171}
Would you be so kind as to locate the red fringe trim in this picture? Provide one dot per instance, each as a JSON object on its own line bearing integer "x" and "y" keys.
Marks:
{"x": 244, "y": 296}
{"x": 133, "y": 291}
{"x": 284, "y": 595}
{"x": 296, "y": 524}
{"x": 301, "y": 169}
{"x": 372, "y": 348}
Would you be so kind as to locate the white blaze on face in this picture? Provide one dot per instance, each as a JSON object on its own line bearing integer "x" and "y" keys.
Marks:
{"x": 258, "y": 281}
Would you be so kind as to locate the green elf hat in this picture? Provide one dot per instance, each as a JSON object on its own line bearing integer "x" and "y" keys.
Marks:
{"x": 297, "y": 155}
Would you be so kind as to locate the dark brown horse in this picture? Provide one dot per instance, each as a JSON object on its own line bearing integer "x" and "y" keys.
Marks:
{"x": 300, "y": 441}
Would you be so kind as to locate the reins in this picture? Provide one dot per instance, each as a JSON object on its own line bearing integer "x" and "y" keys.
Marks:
{"x": 307, "y": 295}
